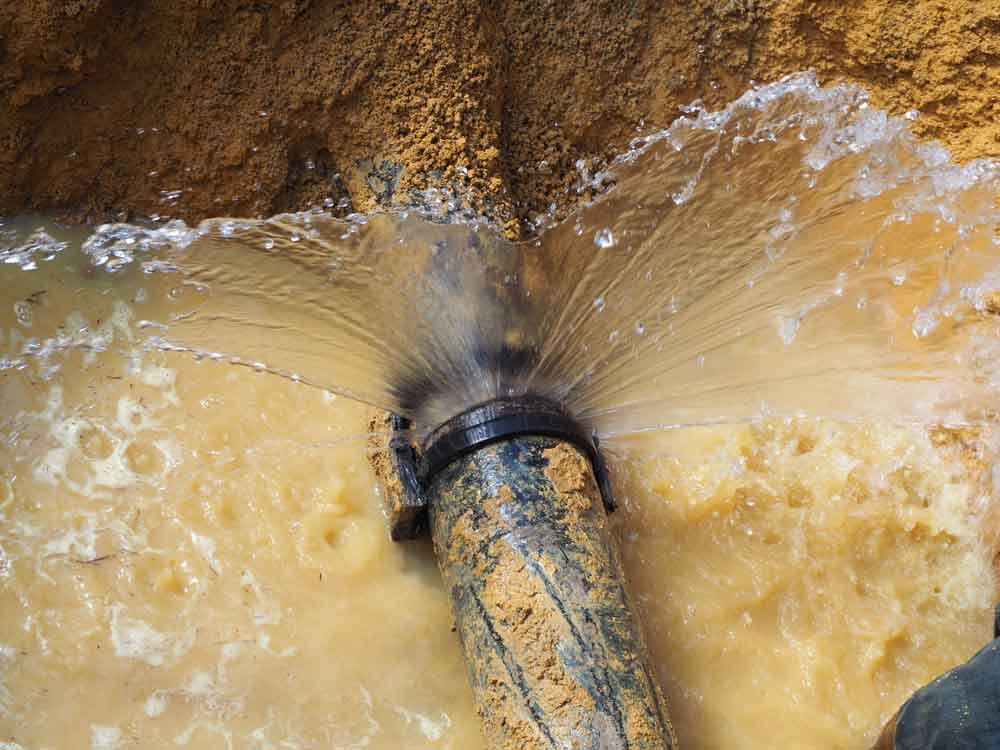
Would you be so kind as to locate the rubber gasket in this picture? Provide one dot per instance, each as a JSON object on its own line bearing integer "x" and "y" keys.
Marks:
{"x": 505, "y": 418}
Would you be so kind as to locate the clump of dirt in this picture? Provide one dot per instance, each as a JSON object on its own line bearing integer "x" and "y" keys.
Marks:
{"x": 571, "y": 475}
{"x": 192, "y": 109}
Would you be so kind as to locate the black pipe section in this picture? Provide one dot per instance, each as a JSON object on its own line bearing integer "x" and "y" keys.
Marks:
{"x": 555, "y": 655}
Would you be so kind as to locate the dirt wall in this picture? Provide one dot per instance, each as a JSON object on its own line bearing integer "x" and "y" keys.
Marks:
{"x": 192, "y": 108}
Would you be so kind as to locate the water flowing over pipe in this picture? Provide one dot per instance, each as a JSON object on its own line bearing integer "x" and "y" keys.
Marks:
{"x": 516, "y": 498}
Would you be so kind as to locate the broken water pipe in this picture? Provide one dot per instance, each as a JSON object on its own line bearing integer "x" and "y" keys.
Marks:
{"x": 515, "y": 495}
{"x": 677, "y": 299}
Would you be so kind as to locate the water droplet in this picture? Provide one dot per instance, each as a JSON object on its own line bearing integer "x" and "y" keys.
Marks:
{"x": 22, "y": 311}
{"x": 788, "y": 328}
{"x": 269, "y": 244}
{"x": 841, "y": 284}
{"x": 925, "y": 322}
{"x": 604, "y": 238}
{"x": 683, "y": 196}
{"x": 599, "y": 304}
{"x": 640, "y": 328}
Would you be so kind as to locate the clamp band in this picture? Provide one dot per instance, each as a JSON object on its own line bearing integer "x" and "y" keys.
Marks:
{"x": 505, "y": 418}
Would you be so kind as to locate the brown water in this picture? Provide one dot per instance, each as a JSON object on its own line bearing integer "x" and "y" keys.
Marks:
{"x": 798, "y": 221}
{"x": 193, "y": 554}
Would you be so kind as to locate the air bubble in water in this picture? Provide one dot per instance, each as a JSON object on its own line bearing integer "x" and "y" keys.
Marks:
{"x": 924, "y": 323}
{"x": 22, "y": 311}
{"x": 604, "y": 238}
{"x": 788, "y": 328}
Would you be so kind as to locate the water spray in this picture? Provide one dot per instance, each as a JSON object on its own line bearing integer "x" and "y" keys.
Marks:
{"x": 515, "y": 495}
{"x": 677, "y": 298}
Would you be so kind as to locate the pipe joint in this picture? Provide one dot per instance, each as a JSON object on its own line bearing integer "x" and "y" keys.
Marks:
{"x": 473, "y": 429}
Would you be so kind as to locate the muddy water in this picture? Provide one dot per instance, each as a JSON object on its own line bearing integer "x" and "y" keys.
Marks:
{"x": 192, "y": 553}
{"x": 798, "y": 580}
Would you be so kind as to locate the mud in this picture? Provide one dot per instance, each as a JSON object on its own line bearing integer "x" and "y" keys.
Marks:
{"x": 191, "y": 109}
{"x": 406, "y": 515}
{"x": 570, "y": 474}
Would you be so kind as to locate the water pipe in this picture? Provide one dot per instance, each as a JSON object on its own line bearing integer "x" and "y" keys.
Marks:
{"x": 516, "y": 499}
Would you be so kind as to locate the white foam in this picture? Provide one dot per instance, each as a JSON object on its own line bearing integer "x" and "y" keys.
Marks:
{"x": 135, "y": 639}
{"x": 429, "y": 728}
{"x": 105, "y": 737}
{"x": 156, "y": 704}
{"x": 206, "y": 546}
{"x": 81, "y": 543}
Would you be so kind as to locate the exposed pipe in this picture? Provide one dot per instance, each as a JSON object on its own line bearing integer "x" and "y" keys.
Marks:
{"x": 555, "y": 655}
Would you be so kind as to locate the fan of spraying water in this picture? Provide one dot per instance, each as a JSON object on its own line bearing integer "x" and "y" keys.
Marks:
{"x": 797, "y": 253}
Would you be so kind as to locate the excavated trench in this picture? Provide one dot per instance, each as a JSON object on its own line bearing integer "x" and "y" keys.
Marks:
{"x": 190, "y": 109}
{"x": 195, "y": 553}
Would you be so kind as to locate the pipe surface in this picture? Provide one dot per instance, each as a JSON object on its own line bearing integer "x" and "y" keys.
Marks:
{"x": 555, "y": 655}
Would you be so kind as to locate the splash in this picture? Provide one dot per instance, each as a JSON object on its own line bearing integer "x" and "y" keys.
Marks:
{"x": 210, "y": 538}
{"x": 798, "y": 253}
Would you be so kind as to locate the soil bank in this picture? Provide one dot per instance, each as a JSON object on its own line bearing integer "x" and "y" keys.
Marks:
{"x": 116, "y": 110}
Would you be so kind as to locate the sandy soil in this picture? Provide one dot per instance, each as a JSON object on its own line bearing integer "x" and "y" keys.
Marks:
{"x": 112, "y": 109}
